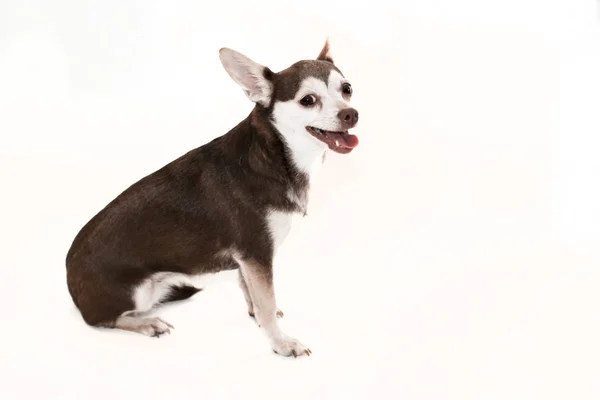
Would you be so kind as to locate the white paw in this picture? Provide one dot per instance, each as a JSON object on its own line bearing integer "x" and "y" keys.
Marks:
{"x": 154, "y": 327}
{"x": 287, "y": 346}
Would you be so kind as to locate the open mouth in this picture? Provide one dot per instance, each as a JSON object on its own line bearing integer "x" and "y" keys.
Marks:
{"x": 340, "y": 142}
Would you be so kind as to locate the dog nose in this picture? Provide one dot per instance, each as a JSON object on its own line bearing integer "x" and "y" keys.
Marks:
{"x": 348, "y": 117}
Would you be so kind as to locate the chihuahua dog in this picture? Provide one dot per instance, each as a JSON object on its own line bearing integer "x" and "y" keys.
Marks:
{"x": 226, "y": 205}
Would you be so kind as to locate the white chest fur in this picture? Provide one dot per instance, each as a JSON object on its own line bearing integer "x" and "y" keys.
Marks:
{"x": 279, "y": 224}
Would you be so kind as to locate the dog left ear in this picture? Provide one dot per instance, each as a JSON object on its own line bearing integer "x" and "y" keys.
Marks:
{"x": 325, "y": 54}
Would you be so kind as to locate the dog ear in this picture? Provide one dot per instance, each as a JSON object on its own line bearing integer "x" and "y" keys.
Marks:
{"x": 251, "y": 76}
{"x": 325, "y": 54}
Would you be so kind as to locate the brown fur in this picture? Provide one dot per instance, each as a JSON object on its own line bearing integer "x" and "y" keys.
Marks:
{"x": 192, "y": 215}
{"x": 181, "y": 217}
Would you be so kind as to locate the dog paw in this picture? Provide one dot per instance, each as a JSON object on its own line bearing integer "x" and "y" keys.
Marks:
{"x": 154, "y": 327}
{"x": 287, "y": 346}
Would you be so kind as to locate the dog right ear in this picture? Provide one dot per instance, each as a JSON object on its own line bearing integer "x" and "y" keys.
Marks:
{"x": 251, "y": 76}
{"x": 325, "y": 54}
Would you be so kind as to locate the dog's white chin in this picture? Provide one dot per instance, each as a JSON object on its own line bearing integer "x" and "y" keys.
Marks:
{"x": 306, "y": 151}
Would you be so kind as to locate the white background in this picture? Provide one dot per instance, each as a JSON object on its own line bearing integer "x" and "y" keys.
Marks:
{"x": 453, "y": 255}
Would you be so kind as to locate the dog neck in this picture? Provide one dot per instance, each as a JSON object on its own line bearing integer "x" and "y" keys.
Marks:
{"x": 305, "y": 153}
{"x": 256, "y": 144}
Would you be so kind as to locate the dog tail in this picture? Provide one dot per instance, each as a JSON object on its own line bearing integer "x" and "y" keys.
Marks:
{"x": 178, "y": 293}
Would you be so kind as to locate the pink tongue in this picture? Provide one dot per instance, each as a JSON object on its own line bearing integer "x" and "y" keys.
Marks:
{"x": 348, "y": 140}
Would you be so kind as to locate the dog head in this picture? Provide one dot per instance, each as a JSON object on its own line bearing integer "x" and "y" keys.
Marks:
{"x": 308, "y": 102}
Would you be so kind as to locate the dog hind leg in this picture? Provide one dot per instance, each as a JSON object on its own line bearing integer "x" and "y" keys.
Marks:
{"x": 153, "y": 327}
{"x": 115, "y": 301}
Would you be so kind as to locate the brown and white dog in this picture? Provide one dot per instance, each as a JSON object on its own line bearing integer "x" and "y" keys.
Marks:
{"x": 225, "y": 205}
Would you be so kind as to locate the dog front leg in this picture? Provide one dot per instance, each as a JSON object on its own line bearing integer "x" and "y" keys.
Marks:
{"x": 258, "y": 279}
{"x": 247, "y": 297}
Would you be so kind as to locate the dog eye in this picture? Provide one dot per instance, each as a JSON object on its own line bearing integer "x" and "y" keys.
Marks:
{"x": 308, "y": 100}
{"x": 347, "y": 88}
